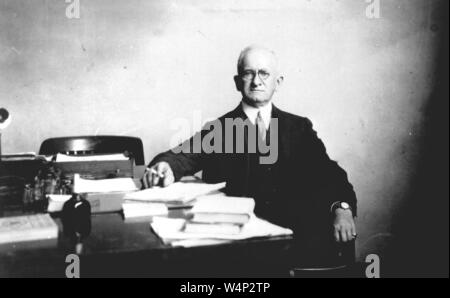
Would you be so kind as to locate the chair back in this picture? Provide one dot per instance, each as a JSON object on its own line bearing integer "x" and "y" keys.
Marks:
{"x": 338, "y": 261}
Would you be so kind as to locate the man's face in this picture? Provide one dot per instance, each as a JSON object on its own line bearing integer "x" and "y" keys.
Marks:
{"x": 258, "y": 77}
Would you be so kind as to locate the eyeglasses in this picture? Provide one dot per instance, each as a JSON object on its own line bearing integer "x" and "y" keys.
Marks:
{"x": 249, "y": 75}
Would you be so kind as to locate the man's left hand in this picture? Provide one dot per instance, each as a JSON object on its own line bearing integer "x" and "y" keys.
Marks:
{"x": 344, "y": 226}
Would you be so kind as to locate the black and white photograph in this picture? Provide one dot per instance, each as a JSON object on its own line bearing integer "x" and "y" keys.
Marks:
{"x": 224, "y": 145}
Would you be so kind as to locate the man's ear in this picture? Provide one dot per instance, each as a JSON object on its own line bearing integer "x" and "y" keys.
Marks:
{"x": 238, "y": 83}
{"x": 280, "y": 81}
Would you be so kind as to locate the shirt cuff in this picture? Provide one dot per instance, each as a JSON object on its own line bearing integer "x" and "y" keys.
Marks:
{"x": 333, "y": 206}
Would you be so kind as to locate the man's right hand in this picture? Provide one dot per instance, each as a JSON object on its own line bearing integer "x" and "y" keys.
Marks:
{"x": 159, "y": 174}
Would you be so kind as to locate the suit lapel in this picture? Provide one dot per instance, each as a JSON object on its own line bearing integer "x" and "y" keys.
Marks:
{"x": 283, "y": 133}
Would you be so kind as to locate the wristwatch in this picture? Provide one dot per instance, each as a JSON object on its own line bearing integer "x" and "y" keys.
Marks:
{"x": 341, "y": 205}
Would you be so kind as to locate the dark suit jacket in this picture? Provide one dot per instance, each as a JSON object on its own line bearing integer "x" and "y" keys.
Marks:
{"x": 305, "y": 182}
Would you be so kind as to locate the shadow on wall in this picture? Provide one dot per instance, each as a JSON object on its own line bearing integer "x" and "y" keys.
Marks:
{"x": 421, "y": 245}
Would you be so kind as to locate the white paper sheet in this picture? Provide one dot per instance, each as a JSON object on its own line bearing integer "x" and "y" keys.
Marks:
{"x": 179, "y": 192}
{"x": 81, "y": 185}
{"x": 94, "y": 157}
{"x": 56, "y": 202}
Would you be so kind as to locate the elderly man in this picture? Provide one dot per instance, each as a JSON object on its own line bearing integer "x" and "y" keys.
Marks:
{"x": 302, "y": 189}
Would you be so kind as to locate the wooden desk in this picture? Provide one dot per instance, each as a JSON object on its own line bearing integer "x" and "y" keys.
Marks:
{"x": 120, "y": 249}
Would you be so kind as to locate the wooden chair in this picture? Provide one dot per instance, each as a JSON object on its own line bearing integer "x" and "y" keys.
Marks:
{"x": 340, "y": 264}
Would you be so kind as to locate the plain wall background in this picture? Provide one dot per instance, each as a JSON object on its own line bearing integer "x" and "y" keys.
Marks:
{"x": 133, "y": 67}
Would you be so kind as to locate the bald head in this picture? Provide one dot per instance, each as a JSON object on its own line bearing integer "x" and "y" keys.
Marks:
{"x": 257, "y": 50}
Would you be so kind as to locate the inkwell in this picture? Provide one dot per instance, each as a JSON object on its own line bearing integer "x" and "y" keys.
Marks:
{"x": 76, "y": 219}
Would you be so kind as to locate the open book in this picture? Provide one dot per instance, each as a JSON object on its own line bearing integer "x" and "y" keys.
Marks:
{"x": 27, "y": 228}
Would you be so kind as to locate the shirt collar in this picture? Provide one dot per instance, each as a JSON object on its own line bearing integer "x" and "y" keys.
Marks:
{"x": 252, "y": 113}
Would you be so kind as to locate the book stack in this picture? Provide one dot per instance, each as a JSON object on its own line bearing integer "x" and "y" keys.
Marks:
{"x": 213, "y": 220}
{"x": 27, "y": 228}
{"x": 220, "y": 215}
{"x": 145, "y": 204}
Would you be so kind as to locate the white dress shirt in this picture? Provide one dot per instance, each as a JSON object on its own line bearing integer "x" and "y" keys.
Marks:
{"x": 252, "y": 113}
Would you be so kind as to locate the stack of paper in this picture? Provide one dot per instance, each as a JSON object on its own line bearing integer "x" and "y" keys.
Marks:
{"x": 220, "y": 215}
{"x": 216, "y": 220}
{"x": 179, "y": 194}
{"x": 172, "y": 231}
{"x": 142, "y": 211}
{"x": 81, "y": 185}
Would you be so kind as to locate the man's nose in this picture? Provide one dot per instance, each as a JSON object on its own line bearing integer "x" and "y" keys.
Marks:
{"x": 256, "y": 81}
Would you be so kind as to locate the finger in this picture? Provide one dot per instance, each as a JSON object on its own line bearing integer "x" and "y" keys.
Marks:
{"x": 354, "y": 234}
{"x": 145, "y": 180}
{"x": 168, "y": 179}
{"x": 154, "y": 180}
{"x": 148, "y": 179}
{"x": 349, "y": 234}
{"x": 343, "y": 235}
{"x": 336, "y": 234}
{"x": 165, "y": 174}
{"x": 160, "y": 170}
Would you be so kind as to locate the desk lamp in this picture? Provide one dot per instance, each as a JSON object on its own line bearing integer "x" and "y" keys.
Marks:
{"x": 5, "y": 120}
